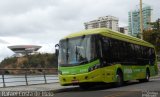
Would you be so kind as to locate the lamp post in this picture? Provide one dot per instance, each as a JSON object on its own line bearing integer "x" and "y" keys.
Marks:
{"x": 141, "y": 20}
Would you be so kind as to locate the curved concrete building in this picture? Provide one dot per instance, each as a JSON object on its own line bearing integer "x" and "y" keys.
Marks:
{"x": 23, "y": 49}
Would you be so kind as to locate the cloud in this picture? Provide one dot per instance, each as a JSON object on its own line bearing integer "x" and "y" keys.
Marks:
{"x": 34, "y": 21}
{"x": 10, "y": 7}
{"x": 4, "y": 51}
{"x": 3, "y": 42}
{"x": 45, "y": 22}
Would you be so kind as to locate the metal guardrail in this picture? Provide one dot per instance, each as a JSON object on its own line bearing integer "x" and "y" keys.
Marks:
{"x": 43, "y": 75}
{"x": 159, "y": 68}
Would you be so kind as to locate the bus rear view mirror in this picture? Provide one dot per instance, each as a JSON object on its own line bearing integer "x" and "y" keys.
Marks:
{"x": 57, "y": 49}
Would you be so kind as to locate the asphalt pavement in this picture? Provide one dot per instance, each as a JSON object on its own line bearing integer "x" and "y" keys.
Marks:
{"x": 131, "y": 89}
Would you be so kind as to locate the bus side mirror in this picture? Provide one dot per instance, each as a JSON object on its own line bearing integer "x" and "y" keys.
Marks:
{"x": 57, "y": 52}
{"x": 57, "y": 49}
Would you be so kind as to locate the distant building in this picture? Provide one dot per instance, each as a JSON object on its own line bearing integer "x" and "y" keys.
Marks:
{"x": 110, "y": 22}
{"x": 21, "y": 50}
{"x": 134, "y": 20}
{"x": 124, "y": 30}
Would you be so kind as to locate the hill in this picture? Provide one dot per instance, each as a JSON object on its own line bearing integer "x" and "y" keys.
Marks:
{"x": 45, "y": 60}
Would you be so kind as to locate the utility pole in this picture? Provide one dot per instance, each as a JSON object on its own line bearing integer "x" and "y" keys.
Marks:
{"x": 141, "y": 20}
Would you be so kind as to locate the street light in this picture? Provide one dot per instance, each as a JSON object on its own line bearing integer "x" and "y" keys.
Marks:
{"x": 141, "y": 20}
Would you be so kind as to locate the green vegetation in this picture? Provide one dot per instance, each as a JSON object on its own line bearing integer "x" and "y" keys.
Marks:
{"x": 31, "y": 61}
{"x": 153, "y": 36}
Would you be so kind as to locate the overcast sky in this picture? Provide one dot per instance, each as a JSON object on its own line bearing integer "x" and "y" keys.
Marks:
{"x": 45, "y": 22}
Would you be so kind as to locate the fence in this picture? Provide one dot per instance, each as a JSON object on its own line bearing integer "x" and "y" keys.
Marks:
{"x": 27, "y": 76}
{"x": 159, "y": 68}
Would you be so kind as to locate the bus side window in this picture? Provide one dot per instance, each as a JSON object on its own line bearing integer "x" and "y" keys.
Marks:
{"x": 105, "y": 49}
{"x": 152, "y": 58}
{"x": 93, "y": 48}
{"x": 133, "y": 55}
{"x": 113, "y": 54}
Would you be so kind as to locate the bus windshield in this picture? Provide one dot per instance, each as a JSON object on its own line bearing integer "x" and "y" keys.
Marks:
{"x": 76, "y": 51}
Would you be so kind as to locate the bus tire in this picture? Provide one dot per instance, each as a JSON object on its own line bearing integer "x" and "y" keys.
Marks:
{"x": 147, "y": 77}
{"x": 119, "y": 76}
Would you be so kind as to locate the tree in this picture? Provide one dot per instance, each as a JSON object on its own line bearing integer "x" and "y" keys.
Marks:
{"x": 35, "y": 61}
{"x": 153, "y": 36}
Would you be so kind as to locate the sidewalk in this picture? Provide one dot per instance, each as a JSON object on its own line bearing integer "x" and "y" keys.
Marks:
{"x": 42, "y": 87}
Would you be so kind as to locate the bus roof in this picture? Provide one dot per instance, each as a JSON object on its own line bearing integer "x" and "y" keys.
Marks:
{"x": 111, "y": 34}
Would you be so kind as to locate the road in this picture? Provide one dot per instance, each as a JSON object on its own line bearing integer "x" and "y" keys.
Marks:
{"x": 131, "y": 89}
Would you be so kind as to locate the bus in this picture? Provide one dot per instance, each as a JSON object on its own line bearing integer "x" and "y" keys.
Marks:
{"x": 101, "y": 55}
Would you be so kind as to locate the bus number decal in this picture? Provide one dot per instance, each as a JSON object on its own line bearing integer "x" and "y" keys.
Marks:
{"x": 127, "y": 70}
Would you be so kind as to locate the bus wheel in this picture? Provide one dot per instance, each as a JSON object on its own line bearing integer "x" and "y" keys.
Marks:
{"x": 147, "y": 76}
{"x": 119, "y": 79}
{"x": 146, "y": 79}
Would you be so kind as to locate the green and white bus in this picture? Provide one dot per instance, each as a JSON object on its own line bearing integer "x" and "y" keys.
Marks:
{"x": 104, "y": 56}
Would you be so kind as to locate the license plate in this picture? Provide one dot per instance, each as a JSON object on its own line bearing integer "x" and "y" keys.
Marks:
{"x": 75, "y": 81}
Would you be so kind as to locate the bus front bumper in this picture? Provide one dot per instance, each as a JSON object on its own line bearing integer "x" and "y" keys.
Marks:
{"x": 93, "y": 76}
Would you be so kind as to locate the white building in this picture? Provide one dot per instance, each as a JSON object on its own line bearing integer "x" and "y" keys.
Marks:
{"x": 124, "y": 30}
{"x": 21, "y": 50}
{"x": 103, "y": 22}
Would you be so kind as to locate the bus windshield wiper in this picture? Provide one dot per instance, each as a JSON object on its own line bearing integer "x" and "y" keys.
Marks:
{"x": 76, "y": 53}
{"x": 84, "y": 61}
{"x": 67, "y": 55}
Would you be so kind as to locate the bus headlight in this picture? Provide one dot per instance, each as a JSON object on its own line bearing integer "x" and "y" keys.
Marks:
{"x": 93, "y": 67}
{"x": 59, "y": 72}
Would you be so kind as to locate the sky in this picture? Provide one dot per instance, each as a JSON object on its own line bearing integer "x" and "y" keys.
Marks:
{"x": 45, "y": 22}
